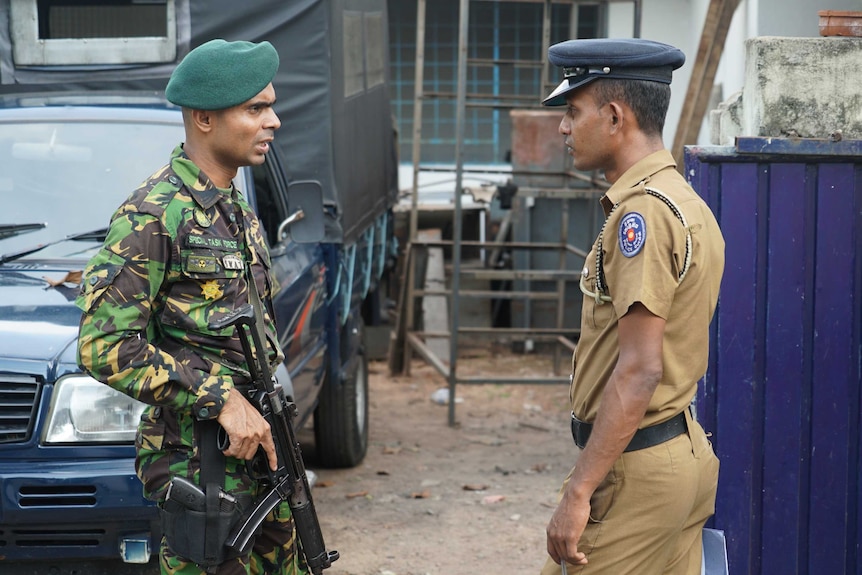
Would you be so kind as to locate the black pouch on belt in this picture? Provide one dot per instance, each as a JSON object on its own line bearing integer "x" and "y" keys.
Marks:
{"x": 199, "y": 536}
{"x": 196, "y": 522}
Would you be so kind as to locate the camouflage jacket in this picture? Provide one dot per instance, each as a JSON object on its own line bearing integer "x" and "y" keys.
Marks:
{"x": 173, "y": 261}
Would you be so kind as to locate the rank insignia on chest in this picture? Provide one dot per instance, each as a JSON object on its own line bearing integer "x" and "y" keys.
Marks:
{"x": 211, "y": 290}
{"x": 233, "y": 262}
{"x": 632, "y": 234}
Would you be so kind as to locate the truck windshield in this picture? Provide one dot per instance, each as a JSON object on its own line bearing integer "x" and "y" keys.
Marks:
{"x": 72, "y": 175}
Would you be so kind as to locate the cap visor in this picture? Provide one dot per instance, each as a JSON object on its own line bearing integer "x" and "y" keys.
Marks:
{"x": 557, "y": 97}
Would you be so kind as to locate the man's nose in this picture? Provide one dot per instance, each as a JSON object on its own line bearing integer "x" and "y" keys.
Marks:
{"x": 564, "y": 128}
{"x": 273, "y": 121}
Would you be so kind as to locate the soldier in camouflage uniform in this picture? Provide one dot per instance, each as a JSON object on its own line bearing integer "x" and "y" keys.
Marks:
{"x": 174, "y": 260}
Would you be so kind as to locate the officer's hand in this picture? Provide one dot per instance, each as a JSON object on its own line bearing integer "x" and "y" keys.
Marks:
{"x": 565, "y": 528}
{"x": 246, "y": 429}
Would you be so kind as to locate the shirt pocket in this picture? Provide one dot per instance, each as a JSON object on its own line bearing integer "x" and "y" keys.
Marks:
{"x": 262, "y": 255}
{"x": 151, "y": 431}
{"x": 263, "y": 275}
{"x": 208, "y": 285}
{"x": 99, "y": 276}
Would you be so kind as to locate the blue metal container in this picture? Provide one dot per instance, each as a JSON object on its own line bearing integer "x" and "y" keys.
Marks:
{"x": 782, "y": 392}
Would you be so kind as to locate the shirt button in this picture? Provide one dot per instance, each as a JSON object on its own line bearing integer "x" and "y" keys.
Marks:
{"x": 203, "y": 412}
{"x": 173, "y": 180}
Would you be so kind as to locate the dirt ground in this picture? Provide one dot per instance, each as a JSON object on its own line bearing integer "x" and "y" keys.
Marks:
{"x": 464, "y": 500}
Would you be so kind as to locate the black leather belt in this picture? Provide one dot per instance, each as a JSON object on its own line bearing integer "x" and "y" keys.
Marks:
{"x": 643, "y": 438}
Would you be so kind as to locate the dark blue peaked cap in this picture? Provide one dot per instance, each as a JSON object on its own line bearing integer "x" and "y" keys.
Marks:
{"x": 583, "y": 61}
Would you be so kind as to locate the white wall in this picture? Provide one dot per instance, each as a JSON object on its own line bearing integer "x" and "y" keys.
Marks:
{"x": 680, "y": 23}
{"x": 667, "y": 21}
{"x": 796, "y": 17}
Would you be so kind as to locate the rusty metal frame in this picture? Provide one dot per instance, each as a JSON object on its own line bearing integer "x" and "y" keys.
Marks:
{"x": 415, "y": 341}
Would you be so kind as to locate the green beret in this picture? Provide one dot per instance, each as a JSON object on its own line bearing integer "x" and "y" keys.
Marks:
{"x": 220, "y": 74}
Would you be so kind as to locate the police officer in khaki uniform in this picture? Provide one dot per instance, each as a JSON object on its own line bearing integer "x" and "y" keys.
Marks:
{"x": 185, "y": 249}
{"x": 645, "y": 476}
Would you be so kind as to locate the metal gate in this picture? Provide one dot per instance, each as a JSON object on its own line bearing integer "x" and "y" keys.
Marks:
{"x": 782, "y": 393}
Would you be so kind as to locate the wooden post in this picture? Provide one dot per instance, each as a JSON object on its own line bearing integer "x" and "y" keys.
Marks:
{"x": 712, "y": 39}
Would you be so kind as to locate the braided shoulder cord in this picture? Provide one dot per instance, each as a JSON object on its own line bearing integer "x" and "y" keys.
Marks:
{"x": 681, "y": 217}
{"x": 600, "y": 295}
{"x": 601, "y": 287}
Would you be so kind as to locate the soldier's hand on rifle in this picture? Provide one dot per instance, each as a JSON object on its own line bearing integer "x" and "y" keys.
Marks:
{"x": 246, "y": 429}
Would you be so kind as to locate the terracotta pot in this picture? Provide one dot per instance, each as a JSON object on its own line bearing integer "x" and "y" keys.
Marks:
{"x": 840, "y": 23}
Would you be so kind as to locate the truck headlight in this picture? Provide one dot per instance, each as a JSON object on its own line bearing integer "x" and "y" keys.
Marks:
{"x": 84, "y": 410}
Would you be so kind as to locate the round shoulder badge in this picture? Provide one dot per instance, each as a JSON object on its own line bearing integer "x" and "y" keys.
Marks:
{"x": 632, "y": 234}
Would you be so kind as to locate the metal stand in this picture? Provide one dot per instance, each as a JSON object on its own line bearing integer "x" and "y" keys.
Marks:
{"x": 407, "y": 340}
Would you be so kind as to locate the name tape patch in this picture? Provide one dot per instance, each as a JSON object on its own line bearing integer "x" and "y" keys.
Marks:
{"x": 632, "y": 234}
{"x": 212, "y": 242}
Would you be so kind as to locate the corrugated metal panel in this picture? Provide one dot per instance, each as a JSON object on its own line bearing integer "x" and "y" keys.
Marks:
{"x": 782, "y": 393}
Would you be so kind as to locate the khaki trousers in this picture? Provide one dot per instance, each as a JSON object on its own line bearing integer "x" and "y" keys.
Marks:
{"x": 647, "y": 515}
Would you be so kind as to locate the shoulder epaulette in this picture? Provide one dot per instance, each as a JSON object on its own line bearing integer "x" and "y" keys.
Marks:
{"x": 156, "y": 192}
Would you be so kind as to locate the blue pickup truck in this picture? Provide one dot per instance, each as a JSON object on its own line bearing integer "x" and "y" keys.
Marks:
{"x": 78, "y": 132}
{"x": 66, "y": 454}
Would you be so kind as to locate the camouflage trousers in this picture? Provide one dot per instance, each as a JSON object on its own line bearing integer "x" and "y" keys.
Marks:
{"x": 168, "y": 445}
{"x": 274, "y": 552}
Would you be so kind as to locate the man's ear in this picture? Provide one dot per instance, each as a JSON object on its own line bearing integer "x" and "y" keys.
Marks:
{"x": 202, "y": 119}
{"x": 617, "y": 116}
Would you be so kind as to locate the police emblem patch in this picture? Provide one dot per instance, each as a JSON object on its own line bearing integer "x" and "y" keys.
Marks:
{"x": 632, "y": 234}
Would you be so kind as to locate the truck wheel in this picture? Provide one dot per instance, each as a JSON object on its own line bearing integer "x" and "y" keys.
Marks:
{"x": 341, "y": 418}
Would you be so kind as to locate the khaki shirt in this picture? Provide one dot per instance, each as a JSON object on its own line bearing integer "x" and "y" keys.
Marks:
{"x": 644, "y": 250}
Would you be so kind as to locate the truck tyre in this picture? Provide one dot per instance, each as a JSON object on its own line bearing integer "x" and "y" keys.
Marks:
{"x": 341, "y": 417}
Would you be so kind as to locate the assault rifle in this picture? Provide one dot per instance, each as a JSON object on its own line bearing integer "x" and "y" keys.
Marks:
{"x": 289, "y": 482}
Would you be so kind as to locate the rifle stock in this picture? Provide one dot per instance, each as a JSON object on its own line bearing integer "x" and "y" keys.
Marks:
{"x": 289, "y": 482}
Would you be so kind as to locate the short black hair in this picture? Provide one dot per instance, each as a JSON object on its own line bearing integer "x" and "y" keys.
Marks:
{"x": 648, "y": 100}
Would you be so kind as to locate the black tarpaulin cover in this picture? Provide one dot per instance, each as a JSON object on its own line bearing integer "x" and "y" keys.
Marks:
{"x": 332, "y": 90}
